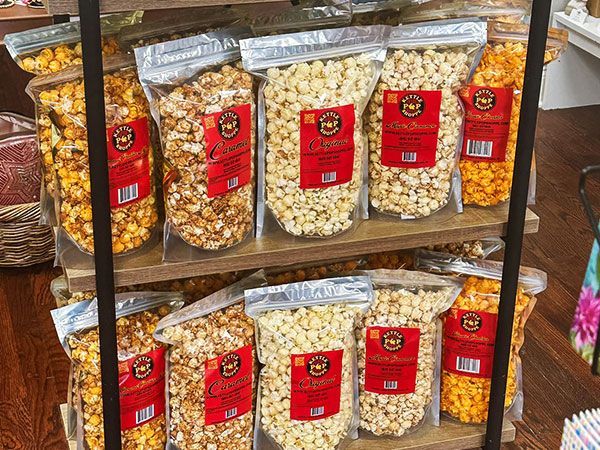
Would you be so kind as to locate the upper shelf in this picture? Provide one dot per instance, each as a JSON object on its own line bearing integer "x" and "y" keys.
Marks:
{"x": 111, "y": 6}
{"x": 375, "y": 235}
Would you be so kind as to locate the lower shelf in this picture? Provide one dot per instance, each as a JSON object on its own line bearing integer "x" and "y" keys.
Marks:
{"x": 449, "y": 435}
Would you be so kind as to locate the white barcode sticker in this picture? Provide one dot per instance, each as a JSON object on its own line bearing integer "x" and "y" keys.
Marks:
{"x": 128, "y": 193}
{"x": 231, "y": 413}
{"x": 232, "y": 182}
{"x": 481, "y": 149}
{"x": 314, "y": 412}
{"x": 468, "y": 365}
{"x": 144, "y": 414}
{"x": 390, "y": 384}
{"x": 409, "y": 156}
{"x": 329, "y": 177}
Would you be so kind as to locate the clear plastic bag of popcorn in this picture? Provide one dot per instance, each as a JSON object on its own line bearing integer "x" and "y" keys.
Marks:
{"x": 312, "y": 271}
{"x": 399, "y": 350}
{"x": 312, "y": 151}
{"x": 130, "y": 159}
{"x": 141, "y": 367}
{"x": 511, "y": 11}
{"x": 492, "y": 103}
{"x": 212, "y": 372}
{"x": 414, "y": 119}
{"x": 480, "y": 248}
{"x": 308, "y": 397}
{"x": 469, "y": 335}
{"x": 176, "y": 24}
{"x": 55, "y": 47}
{"x": 203, "y": 103}
{"x": 47, "y": 50}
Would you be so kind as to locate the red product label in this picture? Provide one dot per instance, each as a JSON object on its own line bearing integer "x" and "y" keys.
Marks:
{"x": 326, "y": 147}
{"x": 487, "y": 123}
{"x": 469, "y": 338}
{"x": 228, "y": 139}
{"x": 316, "y": 385}
{"x": 128, "y": 164}
{"x": 228, "y": 386}
{"x": 409, "y": 130}
{"x": 142, "y": 388}
{"x": 392, "y": 356}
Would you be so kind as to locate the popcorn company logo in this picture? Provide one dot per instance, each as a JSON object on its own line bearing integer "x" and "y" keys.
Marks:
{"x": 142, "y": 367}
{"x": 318, "y": 365}
{"x": 484, "y": 99}
{"x": 229, "y": 124}
{"x": 471, "y": 322}
{"x": 392, "y": 340}
{"x": 123, "y": 138}
{"x": 230, "y": 365}
{"x": 329, "y": 123}
{"x": 412, "y": 106}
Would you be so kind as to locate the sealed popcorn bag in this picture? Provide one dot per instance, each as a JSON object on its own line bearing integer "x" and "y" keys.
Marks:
{"x": 414, "y": 119}
{"x": 399, "y": 350}
{"x": 203, "y": 103}
{"x": 312, "y": 151}
{"x": 508, "y": 11}
{"x": 212, "y": 371}
{"x": 470, "y": 331}
{"x": 308, "y": 393}
{"x": 141, "y": 368}
{"x": 130, "y": 159}
{"x": 492, "y": 103}
{"x": 48, "y": 50}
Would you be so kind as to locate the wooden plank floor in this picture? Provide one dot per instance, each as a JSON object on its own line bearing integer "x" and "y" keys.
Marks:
{"x": 34, "y": 368}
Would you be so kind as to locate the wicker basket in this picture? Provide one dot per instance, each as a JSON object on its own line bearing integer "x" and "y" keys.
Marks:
{"x": 23, "y": 241}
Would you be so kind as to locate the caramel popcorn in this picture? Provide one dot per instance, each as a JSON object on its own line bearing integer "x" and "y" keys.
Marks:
{"x": 304, "y": 273}
{"x": 134, "y": 338}
{"x": 466, "y": 397}
{"x": 196, "y": 342}
{"x": 132, "y": 224}
{"x": 401, "y": 259}
{"x": 205, "y": 220}
{"x": 50, "y": 60}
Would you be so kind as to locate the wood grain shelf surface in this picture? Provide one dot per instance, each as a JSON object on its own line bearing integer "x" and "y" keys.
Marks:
{"x": 450, "y": 435}
{"x": 111, "y": 6}
{"x": 375, "y": 235}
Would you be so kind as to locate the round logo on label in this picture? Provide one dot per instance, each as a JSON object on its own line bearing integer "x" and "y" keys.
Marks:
{"x": 329, "y": 123}
{"x": 392, "y": 340}
{"x": 471, "y": 322}
{"x": 123, "y": 138}
{"x": 484, "y": 99}
{"x": 230, "y": 365}
{"x": 142, "y": 367}
{"x": 412, "y": 105}
{"x": 318, "y": 365}
{"x": 229, "y": 124}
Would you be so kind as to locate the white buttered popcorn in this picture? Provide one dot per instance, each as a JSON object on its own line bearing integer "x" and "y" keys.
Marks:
{"x": 305, "y": 337}
{"x": 316, "y": 87}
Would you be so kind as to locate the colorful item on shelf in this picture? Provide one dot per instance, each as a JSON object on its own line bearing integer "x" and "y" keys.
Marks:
{"x": 584, "y": 330}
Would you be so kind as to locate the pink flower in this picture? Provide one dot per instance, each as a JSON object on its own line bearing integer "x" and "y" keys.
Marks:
{"x": 587, "y": 317}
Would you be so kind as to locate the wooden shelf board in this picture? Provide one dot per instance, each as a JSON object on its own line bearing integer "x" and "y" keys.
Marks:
{"x": 450, "y": 435}
{"x": 20, "y": 12}
{"x": 111, "y": 6}
{"x": 375, "y": 235}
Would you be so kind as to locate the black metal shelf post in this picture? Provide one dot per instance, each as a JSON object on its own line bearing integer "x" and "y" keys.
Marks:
{"x": 93, "y": 76}
{"x": 534, "y": 66}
